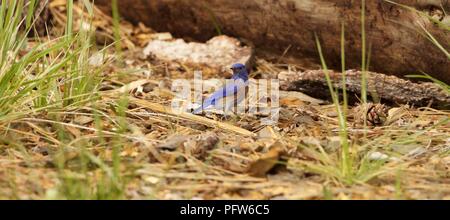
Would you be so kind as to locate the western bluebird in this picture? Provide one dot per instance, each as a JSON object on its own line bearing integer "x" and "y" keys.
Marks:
{"x": 236, "y": 89}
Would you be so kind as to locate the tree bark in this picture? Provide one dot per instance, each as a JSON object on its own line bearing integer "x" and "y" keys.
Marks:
{"x": 394, "y": 36}
{"x": 382, "y": 87}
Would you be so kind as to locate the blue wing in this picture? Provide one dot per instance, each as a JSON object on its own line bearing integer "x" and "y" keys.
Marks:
{"x": 231, "y": 89}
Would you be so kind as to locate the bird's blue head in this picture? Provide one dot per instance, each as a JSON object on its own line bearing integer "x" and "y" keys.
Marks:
{"x": 239, "y": 71}
{"x": 237, "y": 66}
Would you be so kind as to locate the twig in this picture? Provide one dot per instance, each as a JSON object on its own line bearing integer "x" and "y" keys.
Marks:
{"x": 202, "y": 120}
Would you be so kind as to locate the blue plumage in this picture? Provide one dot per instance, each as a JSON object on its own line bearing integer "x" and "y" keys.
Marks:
{"x": 234, "y": 89}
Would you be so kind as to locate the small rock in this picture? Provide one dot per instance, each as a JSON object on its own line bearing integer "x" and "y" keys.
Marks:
{"x": 378, "y": 156}
{"x": 152, "y": 179}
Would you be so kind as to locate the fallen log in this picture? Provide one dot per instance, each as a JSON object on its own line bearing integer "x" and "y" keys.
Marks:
{"x": 395, "y": 35}
{"x": 386, "y": 88}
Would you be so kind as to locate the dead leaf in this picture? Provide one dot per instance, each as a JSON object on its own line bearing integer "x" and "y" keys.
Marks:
{"x": 293, "y": 98}
{"x": 201, "y": 145}
{"x": 161, "y": 36}
{"x": 82, "y": 119}
{"x": 268, "y": 133}
{"x": 74, "y": 131}
{"x": 394, "y": 114}
{"x": 266, "y": 162}
{"x": 173, "y": 142}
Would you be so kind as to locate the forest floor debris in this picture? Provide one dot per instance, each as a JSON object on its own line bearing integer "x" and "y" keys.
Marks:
{"x": 219, "y": 53}
{"x": 72, "y": 153}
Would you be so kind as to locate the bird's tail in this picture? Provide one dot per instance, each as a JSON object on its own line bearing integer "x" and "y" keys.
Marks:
{"x": 204, "y": 105}
{"x": 198, "y": 110}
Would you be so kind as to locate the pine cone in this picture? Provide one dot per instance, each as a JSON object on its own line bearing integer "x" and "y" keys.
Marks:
{"x": 374, "y": 114}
